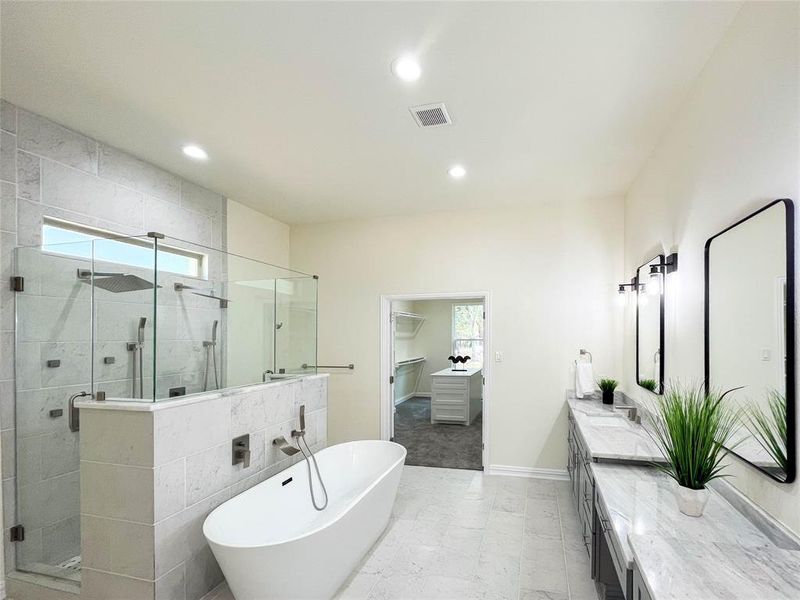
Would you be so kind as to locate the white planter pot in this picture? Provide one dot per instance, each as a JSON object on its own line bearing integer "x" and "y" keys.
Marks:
{"x": 691, "y": 502}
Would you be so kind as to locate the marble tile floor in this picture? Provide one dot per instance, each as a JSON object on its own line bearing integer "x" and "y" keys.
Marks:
{"x": 464, "y": 535}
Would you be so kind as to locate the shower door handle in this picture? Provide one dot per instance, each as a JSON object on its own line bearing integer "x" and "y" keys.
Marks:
{"x": 74, "y": 413}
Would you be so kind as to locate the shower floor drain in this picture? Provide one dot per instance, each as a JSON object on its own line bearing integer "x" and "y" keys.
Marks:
{"x": 71, "y": 564}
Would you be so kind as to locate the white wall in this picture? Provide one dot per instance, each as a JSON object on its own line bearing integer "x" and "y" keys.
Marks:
{"x": 731, "y": 148}
{"x": 435, "y": 337}
{"x": 551, "y": 272}
{"x": 253, "y": 235}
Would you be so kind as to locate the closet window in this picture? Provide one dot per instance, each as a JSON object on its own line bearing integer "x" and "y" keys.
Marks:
{"x": 468, "y": 332}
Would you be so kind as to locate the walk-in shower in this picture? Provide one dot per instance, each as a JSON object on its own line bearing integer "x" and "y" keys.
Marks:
{"x": 137, "y": 318}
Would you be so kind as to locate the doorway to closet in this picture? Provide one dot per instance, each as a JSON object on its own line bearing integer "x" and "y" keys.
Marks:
{"x": 434, "y": 396}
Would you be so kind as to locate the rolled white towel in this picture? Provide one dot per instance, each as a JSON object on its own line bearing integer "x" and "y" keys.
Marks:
{"x": 584, "y": 379}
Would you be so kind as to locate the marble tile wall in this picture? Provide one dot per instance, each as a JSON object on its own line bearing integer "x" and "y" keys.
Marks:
{"x": 47, "y": 170}
{"x": 149, "y": 479}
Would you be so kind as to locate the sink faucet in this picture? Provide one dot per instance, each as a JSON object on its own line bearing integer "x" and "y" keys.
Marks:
{"x": 633, "y": 412}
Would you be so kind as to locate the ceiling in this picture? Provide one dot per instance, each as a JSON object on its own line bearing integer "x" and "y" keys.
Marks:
{"x": 303, "y": 120}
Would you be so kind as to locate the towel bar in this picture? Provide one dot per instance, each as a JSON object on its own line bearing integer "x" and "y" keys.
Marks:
{"x": 351, "y": 366}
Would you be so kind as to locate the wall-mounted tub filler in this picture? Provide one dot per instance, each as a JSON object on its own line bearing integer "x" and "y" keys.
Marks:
{"x": 289, "y": 450}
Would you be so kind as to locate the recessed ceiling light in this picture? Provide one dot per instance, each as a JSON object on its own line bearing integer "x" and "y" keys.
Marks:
{"x": 195, "y": 152}
{"x": 457, "y": 171}
{"x": 406, "y": 68}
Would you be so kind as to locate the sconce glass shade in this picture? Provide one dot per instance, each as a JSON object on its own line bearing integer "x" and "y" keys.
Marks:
{"x": 654, "y": 281}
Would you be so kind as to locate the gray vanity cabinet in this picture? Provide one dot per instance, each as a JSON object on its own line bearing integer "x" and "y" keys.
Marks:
{"x": 582, "y": 485}
{"x": 611, "y": 568}
{"x": 639, "y": 590}
{"x": 605, "y": 559}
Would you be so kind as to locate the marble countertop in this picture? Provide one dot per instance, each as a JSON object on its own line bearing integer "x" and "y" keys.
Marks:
{"x": 688, "y": 569}
{"x": 608, "y": 434}
{"x": 469, "y": 372}
{"x": 639, "y": 501}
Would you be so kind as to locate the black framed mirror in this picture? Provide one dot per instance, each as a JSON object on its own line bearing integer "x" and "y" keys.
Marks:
{"x": 750, "y": 333}
{"x": 650, "y": 324}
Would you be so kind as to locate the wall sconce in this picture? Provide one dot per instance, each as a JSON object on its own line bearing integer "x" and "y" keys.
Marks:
{"x": 657, "y": 272}
{"x": 622, "y": 295}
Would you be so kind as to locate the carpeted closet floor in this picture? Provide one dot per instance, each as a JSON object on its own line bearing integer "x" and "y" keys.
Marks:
{"x": 440, "y": 445}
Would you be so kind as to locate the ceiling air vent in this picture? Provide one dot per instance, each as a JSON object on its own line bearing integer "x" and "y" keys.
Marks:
{"x": 431, "y": 115}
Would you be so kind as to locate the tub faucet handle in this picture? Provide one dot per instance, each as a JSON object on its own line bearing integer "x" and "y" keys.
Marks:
{"x": 241, "y": 450}
{"x": 244, "y": 457}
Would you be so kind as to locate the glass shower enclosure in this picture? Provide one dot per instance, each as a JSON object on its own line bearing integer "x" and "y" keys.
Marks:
{"x": 140, "y": 318}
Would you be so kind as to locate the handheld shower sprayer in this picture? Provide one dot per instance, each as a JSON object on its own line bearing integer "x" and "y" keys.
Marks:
{"x": 289, "y": 450}
{"x": 211, "y": 355}
{"x": 137, "y": 348}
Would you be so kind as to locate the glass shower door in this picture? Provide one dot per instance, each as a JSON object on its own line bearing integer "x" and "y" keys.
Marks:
{"x": 53, "y": 362}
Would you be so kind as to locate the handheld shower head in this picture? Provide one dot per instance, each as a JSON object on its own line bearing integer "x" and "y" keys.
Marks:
{"x": 142, "y": 322}
{"x": 214, "y": 331}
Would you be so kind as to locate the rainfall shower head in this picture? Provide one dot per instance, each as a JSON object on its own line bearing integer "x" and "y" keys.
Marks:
{"x": 115, "y": 282}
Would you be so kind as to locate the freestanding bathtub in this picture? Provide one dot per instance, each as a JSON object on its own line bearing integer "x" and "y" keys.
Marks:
{"x": 273, "y": 545}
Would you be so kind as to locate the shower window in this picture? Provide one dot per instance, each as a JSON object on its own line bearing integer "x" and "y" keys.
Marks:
{"x": 468, "y": 332}
{"x": 63, "y": 237}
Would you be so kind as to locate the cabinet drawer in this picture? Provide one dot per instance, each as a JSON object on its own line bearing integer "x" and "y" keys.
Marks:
{"x": 450, "y": 383}
{"x": 449, "y": 397}
{"x": 587, "y": 509}
{"x": 604, "y": 525}
{"x": 457, "y": 412}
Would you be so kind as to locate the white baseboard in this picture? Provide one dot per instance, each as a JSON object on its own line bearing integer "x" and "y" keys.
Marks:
{"x": 402, "y": 399}
{"x": 412, "y": 395}
{"x": 530, "y": 472}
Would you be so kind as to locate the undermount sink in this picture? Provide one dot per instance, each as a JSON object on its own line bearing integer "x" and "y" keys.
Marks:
{"x": 610, "y": 421}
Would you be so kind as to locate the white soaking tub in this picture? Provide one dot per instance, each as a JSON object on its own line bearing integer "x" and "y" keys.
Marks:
{"x": 273, "y": 545}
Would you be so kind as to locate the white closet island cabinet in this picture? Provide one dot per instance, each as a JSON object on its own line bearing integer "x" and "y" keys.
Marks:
{"x": 456, "y": 396}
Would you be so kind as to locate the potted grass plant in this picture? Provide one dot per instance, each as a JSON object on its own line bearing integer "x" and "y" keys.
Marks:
{"x": 691, "y": 428}
{"x": 768, "y": 426}
{"x": 607, "y": 386}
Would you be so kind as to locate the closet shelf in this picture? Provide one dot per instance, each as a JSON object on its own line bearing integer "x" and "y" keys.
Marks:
{"x": 409, "y": 361}
{"x": 409, "y": 317}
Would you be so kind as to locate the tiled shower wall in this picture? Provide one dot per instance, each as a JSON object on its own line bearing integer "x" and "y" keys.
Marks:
{"x": 49, "y": 171}
{"x": 150, "y": 478}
